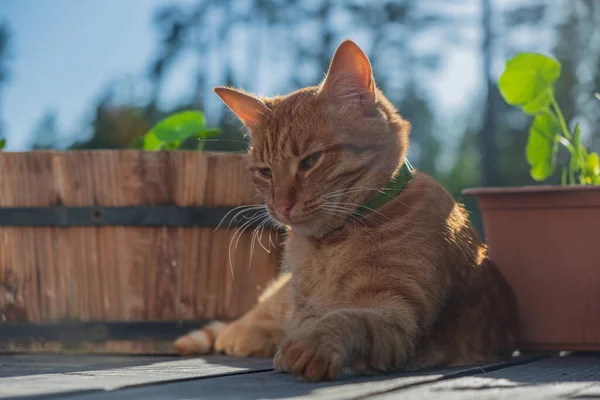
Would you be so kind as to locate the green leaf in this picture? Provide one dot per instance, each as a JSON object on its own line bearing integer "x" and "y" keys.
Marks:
{"x": 2, "y": 144}
{"x": 527, "y": 81}
{"x": 172, "y": 145}
{"x": 180, "y": 126}
{"x": 151, "y": 142}
{"x": 593, "y": 164}
{"x": 575, "y": 162}
{"x": 542, "y": 146}
{"x": 172, "y": 131}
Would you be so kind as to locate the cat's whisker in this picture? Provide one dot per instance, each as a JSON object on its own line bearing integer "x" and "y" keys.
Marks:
{"x": 252, "y": 247}
{"x": 270, "y": 241}
{"x": 368, "y": 208}
{"x": 352, "y": 218}
{"x": 336, "y": 213}
{"x": 246, "y": 225}
{"x": 262, "y": 228}
{"x": 249, "y": 221}
{"x": 353, "y": 210}
{"x": 345, "y": 213}
{"x": 349, "y": 189}
{"x": 244, "y": 209}
{"x": 225, "y": 140}
{"x": 257, "y": 237}
{"x": 239, "y": 233}
{"x": 362, "y": 188}
{"x": 258, "y": 231}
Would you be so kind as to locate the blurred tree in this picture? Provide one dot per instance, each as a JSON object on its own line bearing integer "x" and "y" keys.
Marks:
{"x": 502, "y": 133}
{"x": 114, "y": 126}
{"x": 45, "y": 133}
{"x": 172, "y": 25}
{"x": 487, "y": 136}
{"x": 4, "y": 58}
{"x": 425, "y": 148}
{"x": 578, "y": 49}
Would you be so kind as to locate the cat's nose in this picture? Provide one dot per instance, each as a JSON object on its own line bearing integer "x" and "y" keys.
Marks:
{"x": 284, "y": 207}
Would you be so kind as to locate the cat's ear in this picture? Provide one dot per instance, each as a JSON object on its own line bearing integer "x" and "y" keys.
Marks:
{"x": 249, "y": 109}
{"x": 350, "y": 76}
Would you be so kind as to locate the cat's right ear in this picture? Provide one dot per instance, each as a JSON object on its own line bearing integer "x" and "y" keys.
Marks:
{"x": 350, "y": 77}
{"x": 249, "y": 109}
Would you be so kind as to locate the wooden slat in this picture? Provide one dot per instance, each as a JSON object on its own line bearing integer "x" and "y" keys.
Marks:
{"x": 117, "y": 183}
{"x": 194, "y": 250}
{"x": 159, "y": 273}
{"x": 77, "y": 248}
{"x": 24, "y": 250}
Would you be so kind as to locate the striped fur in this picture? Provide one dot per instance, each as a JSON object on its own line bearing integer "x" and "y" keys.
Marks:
{"x": 408, "y": 285}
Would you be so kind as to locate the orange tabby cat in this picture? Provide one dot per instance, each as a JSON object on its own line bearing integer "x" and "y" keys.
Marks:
{"x": 405, "y": 285}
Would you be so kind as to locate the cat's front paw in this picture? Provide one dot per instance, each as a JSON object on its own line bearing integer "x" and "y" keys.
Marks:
{"x": 248, "y": 339}
{"x": 309, "y": 357}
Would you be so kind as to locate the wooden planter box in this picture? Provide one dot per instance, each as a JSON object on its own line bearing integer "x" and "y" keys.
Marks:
{"x": 116, "y": 251}
{"x": 544, "y": 239}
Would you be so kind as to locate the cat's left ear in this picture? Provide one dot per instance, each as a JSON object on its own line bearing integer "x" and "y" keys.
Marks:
{"x": 249, "y": 109}
{"x": 350, "y": 77}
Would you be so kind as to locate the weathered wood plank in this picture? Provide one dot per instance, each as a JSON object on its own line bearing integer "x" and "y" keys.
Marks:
{"x": 555, "y": 377}
{"x": 35, "y": 364}
{"x": 275, "y": 385}
{"x": 46, "y": 375}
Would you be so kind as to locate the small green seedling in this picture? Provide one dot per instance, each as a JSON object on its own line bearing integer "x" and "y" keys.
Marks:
{"x": 171, "y": 132}
{"x": 528, "y": 83}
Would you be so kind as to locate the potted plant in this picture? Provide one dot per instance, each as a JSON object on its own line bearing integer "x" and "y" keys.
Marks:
{"x": 544, "y": 238}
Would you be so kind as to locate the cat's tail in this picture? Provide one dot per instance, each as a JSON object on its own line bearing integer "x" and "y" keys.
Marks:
{"x": 201, "y": 341}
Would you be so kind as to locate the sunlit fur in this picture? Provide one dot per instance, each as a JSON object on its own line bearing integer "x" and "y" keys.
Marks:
{"x": 408, "y": 285}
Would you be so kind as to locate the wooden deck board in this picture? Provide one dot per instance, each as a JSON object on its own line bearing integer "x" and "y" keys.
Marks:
{"x": 212, "y": 377}
{"x": 37, "y": 375}
{"x": 120, "y": 377}
{"x": 572, "y": 377}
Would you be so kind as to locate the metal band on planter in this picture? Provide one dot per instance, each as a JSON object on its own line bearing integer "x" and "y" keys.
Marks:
{"x": 96, "y": 331}
{"x": 160, "y": 215}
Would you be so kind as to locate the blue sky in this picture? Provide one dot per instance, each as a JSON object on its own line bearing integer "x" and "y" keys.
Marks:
{"x": 67, "y": 51}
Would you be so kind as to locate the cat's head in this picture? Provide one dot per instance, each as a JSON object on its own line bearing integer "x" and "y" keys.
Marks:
{"x": 318, "y": 153}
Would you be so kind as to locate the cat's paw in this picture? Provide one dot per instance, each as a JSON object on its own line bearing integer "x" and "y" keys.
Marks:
{"x": 200, "y": 341}
{"x": 309, "y": 357}
{"x": 248, "y": 339}
{"x": 278, "y": 362}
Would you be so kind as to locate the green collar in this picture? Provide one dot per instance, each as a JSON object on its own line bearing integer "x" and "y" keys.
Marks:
{"x": 391, "y": 190}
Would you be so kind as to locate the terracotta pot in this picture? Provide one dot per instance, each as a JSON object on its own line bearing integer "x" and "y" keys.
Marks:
{"x": 546, "y": 242}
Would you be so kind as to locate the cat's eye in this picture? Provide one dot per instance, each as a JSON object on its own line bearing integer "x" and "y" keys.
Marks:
{"x": 309, "y": 161}
{"x": 266, "y": 172}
